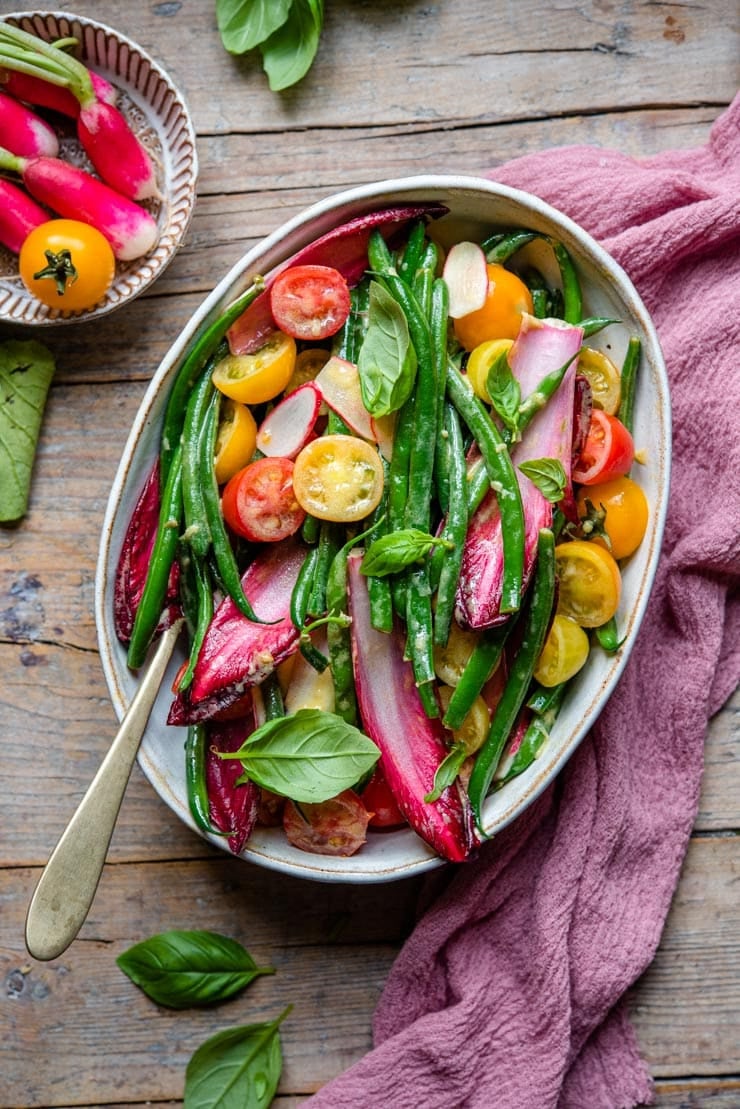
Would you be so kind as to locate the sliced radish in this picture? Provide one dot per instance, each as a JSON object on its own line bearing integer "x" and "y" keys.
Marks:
{"x": 466, "y": 277}
{"x": 384, "y": 429}
{"x": 287, "y": 429}
{"x": 339, "y": 384}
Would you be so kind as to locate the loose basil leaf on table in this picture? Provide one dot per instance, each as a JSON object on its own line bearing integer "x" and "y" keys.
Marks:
{"x": 244, "y": 24}
{"x": 308, "y": 756}
{"x": 236, "y": 1069}
{"x": 387, "y": 362}
{"x": 26, "y": 370}
{"x": 181, "y": 969}
{"x": 288, "y": 54}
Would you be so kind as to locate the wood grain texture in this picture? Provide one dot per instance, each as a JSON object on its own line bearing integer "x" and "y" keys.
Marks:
{"x": 398, "y": 88}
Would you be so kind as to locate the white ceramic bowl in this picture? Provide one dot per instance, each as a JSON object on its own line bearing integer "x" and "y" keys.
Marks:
{"x": 157, "y": 113}
{"x": 476, "y": 207}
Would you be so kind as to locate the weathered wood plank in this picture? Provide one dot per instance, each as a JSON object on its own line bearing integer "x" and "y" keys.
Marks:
{"x": 332, "y": 948}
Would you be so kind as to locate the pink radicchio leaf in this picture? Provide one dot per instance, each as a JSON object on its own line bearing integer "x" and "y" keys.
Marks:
{"x": 232, "y": 806}
{"x": 411, "y": 744}
{"x": 542, "y": 347}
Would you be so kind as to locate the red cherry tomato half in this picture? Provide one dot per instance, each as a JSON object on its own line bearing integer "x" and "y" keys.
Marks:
{"x": 380, "y": 802}
{"x": 310, "y": 302}
{"x": 335, "y": 827}
{"x": 258, "y": 502}
{"x": 608, "y": 451}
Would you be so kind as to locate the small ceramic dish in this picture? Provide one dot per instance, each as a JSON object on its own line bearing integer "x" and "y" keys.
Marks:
{"x": 157, "y": 113}
{"x": 476, "y": 207}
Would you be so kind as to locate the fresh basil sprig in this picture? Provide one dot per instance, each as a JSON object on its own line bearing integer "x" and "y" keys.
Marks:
{"x": 505, "y": 393}
{"x": 286, "y": 32}
{"x": 181, "y": 969}
{"x": 393, "y": 552}
{"x": 447, "y": 771}
{"x": 387, "y": 362}
{"x": 548, "y": 475}
{"x": 237, "y": 1067}
{"x": 310, "y": 755}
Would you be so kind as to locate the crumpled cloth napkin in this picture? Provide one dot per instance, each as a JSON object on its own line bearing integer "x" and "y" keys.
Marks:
{"x": 509, "y": 994}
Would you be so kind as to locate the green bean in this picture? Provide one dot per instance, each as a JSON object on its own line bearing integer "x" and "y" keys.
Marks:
{"x": 201, "y": 348}
{"x": 438, "y": 325}
{"x": 151, "y": 605}
{"x": 425, "y": 278}
{"x": 608, "y": 636}
{"x": 478, "y": 669}
{"x": 499, "y": 249}
{"x": 327, "y": 548}
{"x": 542, "y": 698}
{"x": 272, "y": 697}
{"x": 503, "y": 478}
{"x": 310, "y": 530}
{"x": 339, "y": 639}
{"x": 539, "y": 396}
{"x": 223, "y": 552}
{"x": 534, "y": 738}
{"x": 520, "y": 675}
{"x": 411, "y": 256}
{"x": 379, "y": 589}
{"x": 204, "y": 613}
{"x": 419, "y": 633}
{"x": 478, "y": 485}
{"x": 454, "y": 529}
{"x": 630, "y": 367}
{"x": 572, "y": 300}
{"x": 398, "y": 473}
{"x": 196, "y": 749}
{"x": 197, "y": 533}
{"x": 301, "y": 595}
{"x": 593, "y": 324}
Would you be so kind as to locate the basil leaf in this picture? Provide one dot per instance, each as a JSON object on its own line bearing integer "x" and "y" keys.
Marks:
{"x": 26, "y": 370}
{"x": 503, "y": 389}
{"x": 392, "y": 552}
{"x": 387, "y": 362}
{"x": 287, "y": 55}
{"x": 548, "y": 475}
{"x": 244, "y": 24}
{"x": 236, "y": 1069}
{"x": 182, "y": 969}
{"x": 309, "y": 756}
{"x": 447, "y": 771}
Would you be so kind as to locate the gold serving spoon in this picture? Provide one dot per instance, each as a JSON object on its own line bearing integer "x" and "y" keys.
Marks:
{"x": 66, "y": 888}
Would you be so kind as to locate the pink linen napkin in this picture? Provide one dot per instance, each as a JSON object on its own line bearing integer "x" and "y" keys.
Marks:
{"x": 510, "y": 992}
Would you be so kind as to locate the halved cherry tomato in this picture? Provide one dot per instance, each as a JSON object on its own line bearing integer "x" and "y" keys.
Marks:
{"x": 335, "y": 827}
{"x": 501, "y": 315}
{"x": 475, "y": 727}
{"x": 338, "y": 477}
{"x": 481, "y": 359}
{"x": 589, "y": 583}
{"x": 564, "y": 653}
{"x": 310, "y": 302}
{"x": 608, "y": 452}
{"x": 259, "y": 503}
{"x": 380, "y": 802}
{"x": 451, "y": 658}
{"x": 307, "y": 365}
{"x": 235, "y": 440}
{"x": 626, "y": 513}
{"x": 80, "y": 270}
{"x": 603, "y": 377}
{"x": 254, "y": 378}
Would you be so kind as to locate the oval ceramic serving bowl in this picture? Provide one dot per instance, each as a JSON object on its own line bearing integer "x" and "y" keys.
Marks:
{"x": 476, "y": 207}
{"x": 157, "y": 113}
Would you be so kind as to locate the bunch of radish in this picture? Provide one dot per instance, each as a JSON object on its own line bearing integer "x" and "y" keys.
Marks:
{"x": 37, "y": 74}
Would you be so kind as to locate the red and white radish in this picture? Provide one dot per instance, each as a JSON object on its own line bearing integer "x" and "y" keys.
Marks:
{"x": 112, "y": 147}
{"x": 466, "y": 277}
{"x": 19, "y": 215}
{"x": 23, "y": 132}
{"x": 71, "y": 192}
{"x": 44, "y": 94}
{"x": 344, "y": 248}
{"x": 289, "y": 426}
{"x": 339, "y": 384}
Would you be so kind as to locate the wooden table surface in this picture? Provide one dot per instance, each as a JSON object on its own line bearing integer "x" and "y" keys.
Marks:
{"x": 399, "y": 87}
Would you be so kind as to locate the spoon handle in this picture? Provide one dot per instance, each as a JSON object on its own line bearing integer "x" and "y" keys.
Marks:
{"x": 66, "y": 888}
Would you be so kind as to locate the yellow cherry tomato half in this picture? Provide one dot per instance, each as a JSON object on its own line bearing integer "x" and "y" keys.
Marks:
{"x": 589, "y": 583}
{"x": 626, "y": 513}
{"x": 481, "y": 359}
{"x": 603, "y": 377}
{"x": 451, "y": 658}
{"x": 338, "y": 477}
{"x": 254, "y": 378}
{"x": 474, "y": 729}
{"x": 236, "y": 439}
{"x": 307, "y": 365}
{"x": 564, "y": 653}
{"x": 67, "y": 264}
{"x": 501, "y": 315}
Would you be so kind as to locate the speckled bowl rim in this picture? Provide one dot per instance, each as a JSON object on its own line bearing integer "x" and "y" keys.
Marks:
{"x": 153, "y": 93}
{"x": 398, "y": 854}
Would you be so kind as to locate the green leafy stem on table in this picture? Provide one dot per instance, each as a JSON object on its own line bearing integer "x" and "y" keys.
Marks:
{"x": 286, "y": 32}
